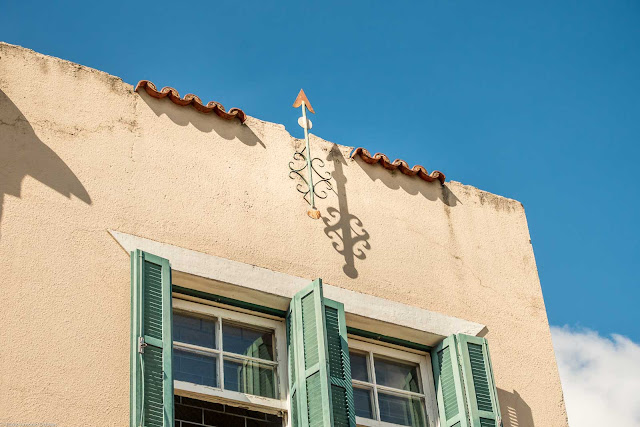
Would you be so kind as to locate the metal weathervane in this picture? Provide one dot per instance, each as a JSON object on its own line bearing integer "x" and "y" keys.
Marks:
{"x": 310, "y": 192}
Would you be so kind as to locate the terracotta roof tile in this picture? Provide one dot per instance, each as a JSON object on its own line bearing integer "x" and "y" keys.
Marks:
{"x": 398, "y": 164}
{"x": 191, "y": 99}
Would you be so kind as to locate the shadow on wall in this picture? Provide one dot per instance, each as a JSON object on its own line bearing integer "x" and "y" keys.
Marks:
{"x": 413, "y": 185}
{"x": 182, "y": 116}
{"x": 346, "y": 231}
{"x": 22, "y": 153}
{"x": 515, "y": 411}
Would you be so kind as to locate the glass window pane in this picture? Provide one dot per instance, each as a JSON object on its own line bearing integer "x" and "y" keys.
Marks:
{"x": 398, "y": 375}
{"x": 249, "y": 377}
{"x": 195, "y": 368}
{"x": 363, "y": 399}
{"x": 194, "y": 330}
{"x": 406, "y": 411}
{"x": 359, "y": 366}
{"x": 247, "y": 341}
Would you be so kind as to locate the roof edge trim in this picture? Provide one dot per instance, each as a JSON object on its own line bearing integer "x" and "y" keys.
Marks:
{"x": 399, "y": 164}
{"x": 191, "y": 99}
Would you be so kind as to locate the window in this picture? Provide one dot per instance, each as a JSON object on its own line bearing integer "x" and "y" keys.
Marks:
{"x": 237, "y": 358}
{"x": 229, "y": 354}
{"x": 390, "y": 386}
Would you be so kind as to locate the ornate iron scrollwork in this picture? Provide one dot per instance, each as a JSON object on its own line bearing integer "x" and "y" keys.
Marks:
{"x": 320, "y": 185}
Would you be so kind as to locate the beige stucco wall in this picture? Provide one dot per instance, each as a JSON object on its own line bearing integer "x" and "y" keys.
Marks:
{"x": 81, "y": 153}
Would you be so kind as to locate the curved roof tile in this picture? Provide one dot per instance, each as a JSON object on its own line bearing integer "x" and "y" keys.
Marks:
{"x": 398, "y": 164}
{"x": 191, "y": 99}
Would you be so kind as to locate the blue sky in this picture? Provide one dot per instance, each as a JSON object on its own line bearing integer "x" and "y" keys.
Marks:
{"x": 539, "y": 102}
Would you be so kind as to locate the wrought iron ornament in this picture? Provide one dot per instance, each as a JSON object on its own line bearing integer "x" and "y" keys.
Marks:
{"x": 311, "y": 164}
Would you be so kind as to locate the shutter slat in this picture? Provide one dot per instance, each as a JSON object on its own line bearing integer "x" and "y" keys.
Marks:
{"x": 448, "y": 382}
{"x": 310, "y": 331}
{"x": 153, "y": 392}
{"x": 343, "y": 405}
{"x": 315, "y": 407}
{"x": 333, "y": 343}
{"x": 152, "y": 299}
{"x": 340, "y": 407}
{"x": 485, "y": 422}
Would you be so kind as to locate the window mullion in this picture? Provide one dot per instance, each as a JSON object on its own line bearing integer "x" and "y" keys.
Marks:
{"x": 219, "y": 345}
{"x": 372, "y": 372}
{"x": 237, "y": 356}
{"x": 361, "y": 384}
{"x": 195, "y": 348}
{"x": 399, "y": 392}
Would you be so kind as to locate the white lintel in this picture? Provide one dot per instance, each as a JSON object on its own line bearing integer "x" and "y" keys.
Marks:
{"x": 250, "y": 283}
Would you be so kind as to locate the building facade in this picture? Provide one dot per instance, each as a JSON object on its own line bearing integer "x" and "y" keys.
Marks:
{"x": 159, "y": 267}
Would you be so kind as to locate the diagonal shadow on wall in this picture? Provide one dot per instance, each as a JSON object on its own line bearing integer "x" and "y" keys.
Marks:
{"x": 22, "y": 153}
{"x": 346, "y": 231}
{"x": 182, "y": 116}
{"x": 515, "y": 411}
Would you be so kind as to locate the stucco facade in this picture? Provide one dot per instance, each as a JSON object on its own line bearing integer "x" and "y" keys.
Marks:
{"x": 81, "y": 153}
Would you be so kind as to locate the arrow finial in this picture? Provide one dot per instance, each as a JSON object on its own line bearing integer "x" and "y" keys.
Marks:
{"x": 302, "y": 97}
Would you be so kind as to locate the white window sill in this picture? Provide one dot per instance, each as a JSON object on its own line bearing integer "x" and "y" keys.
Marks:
{"x": 233, "y": 398}
{"x": 367, "y": 422}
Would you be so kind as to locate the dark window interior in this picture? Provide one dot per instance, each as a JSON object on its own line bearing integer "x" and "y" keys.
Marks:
{"x": 197, "y": 413}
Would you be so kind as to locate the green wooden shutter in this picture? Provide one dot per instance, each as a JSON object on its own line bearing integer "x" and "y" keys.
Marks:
{"x": 319, "y": 367}
{"x": 343, "y": 406}
{"x": 448, "y": 382}
{"x": 151, "y": 342}
{"x": 465, "y": 388}
{"x": 482, "y": 397}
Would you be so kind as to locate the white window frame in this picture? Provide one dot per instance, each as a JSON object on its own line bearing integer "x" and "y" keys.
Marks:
{"x": 278, "y": 406}
{"x": 422, "y": 359}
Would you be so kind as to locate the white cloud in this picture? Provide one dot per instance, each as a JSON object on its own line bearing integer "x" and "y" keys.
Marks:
{"x": 600, "y": 377}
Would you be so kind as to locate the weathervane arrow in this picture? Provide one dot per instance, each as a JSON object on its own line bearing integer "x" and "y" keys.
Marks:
{"x": 303, "y": 101}
{"x": 303, "y": 98}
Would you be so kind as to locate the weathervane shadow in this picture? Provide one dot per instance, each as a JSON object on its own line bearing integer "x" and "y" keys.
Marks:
{"x": 346, "y": 231}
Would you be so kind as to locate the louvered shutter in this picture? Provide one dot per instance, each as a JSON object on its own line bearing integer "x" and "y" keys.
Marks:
{"x": 151, "y": 342}
{"x": 343, "y": 406}
{"x": 319, "y": 366}
{"x": 448, "y": 382}
{"x": 465, "y": 388}
{"x": 477, "y": 373}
